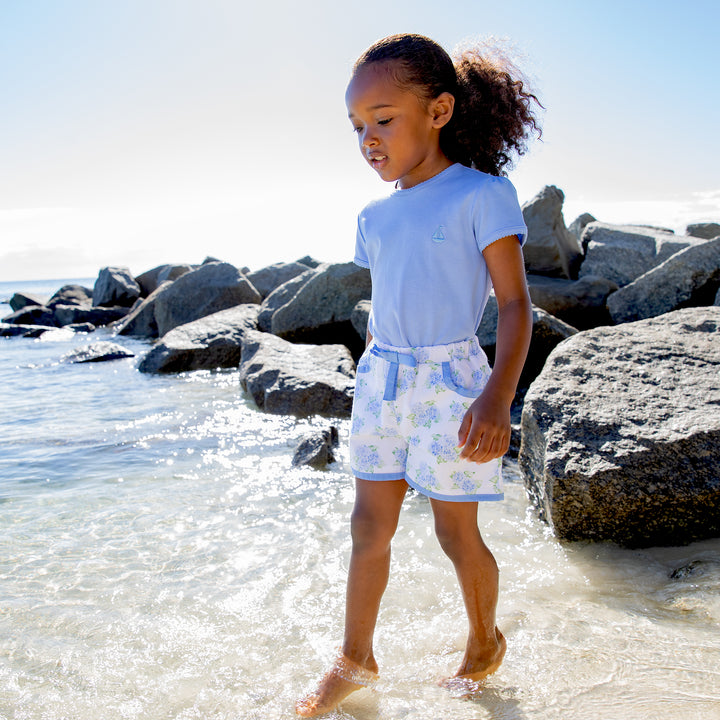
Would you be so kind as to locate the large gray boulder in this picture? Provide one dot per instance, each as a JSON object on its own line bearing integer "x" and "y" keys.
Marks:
{"x": 550, "y": 249}
{"x": 32, "y": 315}
{"x": 579, "y": 224}
{"x": 547, "y": 332}
{"x": 29, "y": 331}
{"x": 81, "y": 314}
{"x": 151, "y": 280}
{"x": 214, "y": 341}
{"x": 688, "y": 278}
{"x": 295, "y": 379}
{"x": 140, "y": 321}
{"x": 360, "y": 317}
{"x": 115, "y": 286}
{"x": 214, "y": 286}
{"x": 271, "y": 277}
{"x": 621, "y": 432}
{"x": 707, "y": 230}
{"x": 19, "y": 301}
{"x": 580, "y": 303}
{"x": 622, "y": 253}
{"x": 280, "y": 296}
{"x": 71, "y": 295}
{"x": 320, "y": 311}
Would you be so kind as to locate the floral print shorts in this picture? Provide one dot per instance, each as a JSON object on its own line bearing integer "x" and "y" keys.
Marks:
{"x": 409, "y": 403}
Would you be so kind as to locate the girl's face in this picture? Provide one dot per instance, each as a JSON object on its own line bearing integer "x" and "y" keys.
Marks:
{"x": 399, "y": 134}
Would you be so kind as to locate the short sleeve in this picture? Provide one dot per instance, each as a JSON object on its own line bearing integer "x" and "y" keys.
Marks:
{"x": 497, "y": 213}
{"x": 361, "y": 256}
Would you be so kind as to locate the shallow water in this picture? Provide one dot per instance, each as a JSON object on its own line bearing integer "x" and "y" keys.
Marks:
{"x": 160, "y": 558}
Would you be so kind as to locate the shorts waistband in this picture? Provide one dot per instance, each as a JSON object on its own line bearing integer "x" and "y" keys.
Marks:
{"x": 413, "y": 356}
{"x": 430, "y": 353}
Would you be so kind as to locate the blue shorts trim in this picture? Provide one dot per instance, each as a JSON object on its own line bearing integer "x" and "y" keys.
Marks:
{"x": 454, "y": 498}
{"x": 400, "y": 475}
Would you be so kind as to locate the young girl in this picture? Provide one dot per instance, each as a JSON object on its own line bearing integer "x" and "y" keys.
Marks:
{"x": 428, "y": 412}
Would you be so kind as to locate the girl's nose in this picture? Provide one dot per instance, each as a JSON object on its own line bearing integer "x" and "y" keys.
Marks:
{"x": 367, "y": 139}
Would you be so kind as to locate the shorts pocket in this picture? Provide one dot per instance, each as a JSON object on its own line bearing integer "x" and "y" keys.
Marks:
{"x": 463, "y": 379}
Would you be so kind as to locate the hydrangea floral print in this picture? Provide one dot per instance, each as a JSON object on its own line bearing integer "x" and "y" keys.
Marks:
{"x": 435, "y": 380}
{"x": 457, "y": 411}
{"x": 443, "y": 448}
{"x": 424, "y": 414}
{"x": 400, "y": 455}
{"x": 425, "y": 477}
{"x": 367, "y": 457}
{"x": 464, "y": 480}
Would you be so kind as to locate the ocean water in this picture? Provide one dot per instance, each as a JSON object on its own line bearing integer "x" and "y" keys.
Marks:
{"x": 160, "y": 558}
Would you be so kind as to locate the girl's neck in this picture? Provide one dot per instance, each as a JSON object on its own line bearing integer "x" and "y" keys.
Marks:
{"x": 428, "y": 170}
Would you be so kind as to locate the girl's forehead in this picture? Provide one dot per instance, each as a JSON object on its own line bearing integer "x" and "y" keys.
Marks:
{"x": 375, "y": 84}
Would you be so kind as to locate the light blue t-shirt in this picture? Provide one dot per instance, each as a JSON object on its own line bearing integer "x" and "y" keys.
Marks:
{"x": 423, "y": 246}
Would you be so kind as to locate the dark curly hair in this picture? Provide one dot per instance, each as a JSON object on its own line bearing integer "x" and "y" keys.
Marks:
{"x": 493, "y": 116}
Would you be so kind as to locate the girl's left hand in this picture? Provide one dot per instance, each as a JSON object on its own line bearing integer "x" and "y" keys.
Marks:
{"x": 485, "y": 430}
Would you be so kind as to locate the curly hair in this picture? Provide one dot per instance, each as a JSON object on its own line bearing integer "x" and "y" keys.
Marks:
{"x": 493, "y": 116}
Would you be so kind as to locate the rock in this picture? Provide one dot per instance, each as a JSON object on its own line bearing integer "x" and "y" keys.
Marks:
{"x": 19, "y": 301}
{"x": 280, "y": 296}
{"x": 15, "y": 330}
{"x": 550, "y": 249}
{"x": 98, "y": 316}
{"x": 315, "y": 450}
{"x": 293, "y": 379}
{"x": 271, "y": 277}
{"x": 71, "y": 295}
{"x": 151, "y": 280}
{"x": 717, "y": 299}
{"x": 621, "y": 432}
{"x": 214, "y": 286}
{"x": 689, "y": 278}
{"x": 32, "y": 315}
{"x": 81, "y": 327}
{"x": 580, "y": 303}
{"x": 311, "y": 262}
{"x": 140, "y": 321}
{"x": 694, "y": 569}
{"x": 359, "y": 318}
{"x": 115, "y": 286}
{"x": 707, "y": 231}
{"x": 622, "y": 253}
{"x": 321, "y": 309}
{"x": 547, "y": 332}
{"x": 577, "y": 226}
{"x": 213, "y": 341}
{"x": 98, "y": 352}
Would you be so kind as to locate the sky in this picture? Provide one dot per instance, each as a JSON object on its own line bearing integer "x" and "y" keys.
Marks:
{"x": 144, "y": 132}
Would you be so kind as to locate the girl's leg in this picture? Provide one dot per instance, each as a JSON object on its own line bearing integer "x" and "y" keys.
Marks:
{"x": 373, "y": 523}
{"x": 457, "y": 531}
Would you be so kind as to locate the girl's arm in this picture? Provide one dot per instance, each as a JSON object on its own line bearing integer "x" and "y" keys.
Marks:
{"x": 485, "y": 430}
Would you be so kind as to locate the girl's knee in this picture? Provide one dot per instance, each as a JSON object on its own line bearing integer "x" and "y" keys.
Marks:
{"x": 371, "y": 530}
{"x": 458, "y": 539}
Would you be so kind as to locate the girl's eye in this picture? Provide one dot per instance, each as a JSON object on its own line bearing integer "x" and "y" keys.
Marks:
{"x": 387, "y": 121}
{"x": 357, "y": 129}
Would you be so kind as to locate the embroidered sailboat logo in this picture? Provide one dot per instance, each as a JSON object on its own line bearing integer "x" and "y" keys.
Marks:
{"x": 439, "y": 235}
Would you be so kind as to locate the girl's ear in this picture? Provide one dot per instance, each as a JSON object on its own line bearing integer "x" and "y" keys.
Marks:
{"x": 442, "y": 108}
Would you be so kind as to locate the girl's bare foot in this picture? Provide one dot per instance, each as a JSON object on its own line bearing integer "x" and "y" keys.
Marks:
{"x": 474, "y": 670}
{"x": 343, "y": 678}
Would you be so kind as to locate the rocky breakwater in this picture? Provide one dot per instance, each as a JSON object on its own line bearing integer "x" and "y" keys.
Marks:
{"x": 294, "y": 330}
{"x": 218, "y": 316}
{"x": 620, "y": 431}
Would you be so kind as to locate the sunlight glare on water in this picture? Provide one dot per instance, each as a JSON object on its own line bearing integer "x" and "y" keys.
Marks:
{"x": 160, "y": 558}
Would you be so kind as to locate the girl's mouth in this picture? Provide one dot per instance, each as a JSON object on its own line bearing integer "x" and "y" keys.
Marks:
{"x": 377, "y": 160}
